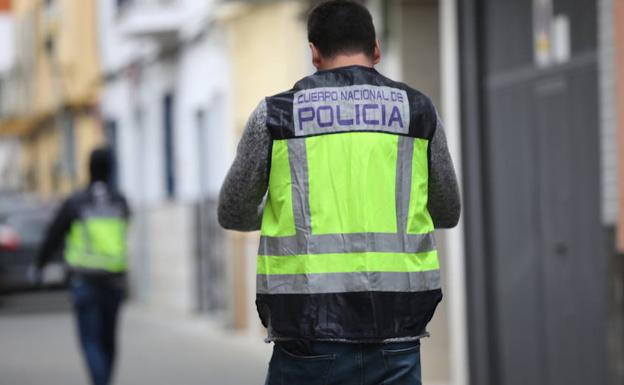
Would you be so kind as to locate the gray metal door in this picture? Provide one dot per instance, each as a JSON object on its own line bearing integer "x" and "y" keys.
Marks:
{"x": 536, "y": 263}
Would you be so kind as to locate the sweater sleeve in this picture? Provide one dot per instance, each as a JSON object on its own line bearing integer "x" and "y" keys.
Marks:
{"x": 240, "y": 199}
{"x": 444, "y": 201}
{"x": 56, "y": 233}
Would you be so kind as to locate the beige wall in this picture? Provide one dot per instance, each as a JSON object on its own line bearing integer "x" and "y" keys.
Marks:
{"x": 88, "y": 135}
{"x": 68, "y": 78}
{"x": 420, "y": 46}
{"x": 268, "y": 52}
{"x": 42, "y": 156}
{"x": 71, "y": 72}
{"x": 40, "y": 161}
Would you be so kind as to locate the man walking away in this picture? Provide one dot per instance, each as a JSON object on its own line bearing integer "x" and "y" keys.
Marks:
{"x": 358, "y": 176}
{"x": 92, "y": 225}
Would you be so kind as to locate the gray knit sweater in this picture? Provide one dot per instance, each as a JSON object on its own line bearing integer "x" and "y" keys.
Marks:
{"x": 242, "y": 193}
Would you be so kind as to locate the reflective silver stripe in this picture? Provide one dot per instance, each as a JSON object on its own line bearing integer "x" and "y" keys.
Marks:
{"x": 346, "y": 243}
{"x": 86, "y": 238}
{"x": 348, "y": 282}
{"x": 298, "y": 160}
{"x": 403, "y": 181}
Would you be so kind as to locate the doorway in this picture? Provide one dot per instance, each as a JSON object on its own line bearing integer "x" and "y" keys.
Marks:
{"x": 536, "y": 261}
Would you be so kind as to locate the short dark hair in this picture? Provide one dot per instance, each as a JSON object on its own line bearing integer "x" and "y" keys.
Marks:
{"x": 341, "y": 27}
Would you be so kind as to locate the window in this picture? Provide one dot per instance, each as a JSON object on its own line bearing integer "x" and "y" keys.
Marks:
{"x": 168, "y": 141}
{"x": 122, "y": 4}
{"x": 68, "y": 157}
{"x": 200, "y": 126}
{"x": 110, "y": 127}
{"x": 3, "y": 108}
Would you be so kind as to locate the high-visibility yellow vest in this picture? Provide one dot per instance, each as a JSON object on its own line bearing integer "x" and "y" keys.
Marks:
{"x": 97, "y": 240}
{"x": 347, "y": 250}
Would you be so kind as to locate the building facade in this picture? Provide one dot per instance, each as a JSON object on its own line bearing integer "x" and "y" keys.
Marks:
{"x": 165, "y": 110}
{"x": 530, "y": 93}
{"x": 51, "y": 97}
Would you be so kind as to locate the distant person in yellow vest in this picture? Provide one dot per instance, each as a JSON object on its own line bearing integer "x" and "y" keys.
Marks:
{"x": 357, "y": 176}
{"x": 92, "y": 226}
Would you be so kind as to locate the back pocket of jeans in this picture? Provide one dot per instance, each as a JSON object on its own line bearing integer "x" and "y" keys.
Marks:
{"x": 304, "y": 370}
{"x": 402, "y": 365}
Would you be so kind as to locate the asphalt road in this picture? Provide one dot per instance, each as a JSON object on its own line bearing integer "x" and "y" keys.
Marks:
{"x": 38, "y": 347}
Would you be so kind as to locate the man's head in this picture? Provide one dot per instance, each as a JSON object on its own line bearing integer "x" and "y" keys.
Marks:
{"x": 341, "y": 32}
{"x": 101, "y": 164}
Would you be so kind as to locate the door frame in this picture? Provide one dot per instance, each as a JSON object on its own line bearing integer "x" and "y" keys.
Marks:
{"x": 482, "y": 355}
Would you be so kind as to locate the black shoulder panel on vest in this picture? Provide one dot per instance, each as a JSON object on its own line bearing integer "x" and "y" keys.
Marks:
{"x": 280, "y": 111}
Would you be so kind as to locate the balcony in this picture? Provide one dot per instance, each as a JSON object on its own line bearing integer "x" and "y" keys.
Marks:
{"x": 158, "y": 20}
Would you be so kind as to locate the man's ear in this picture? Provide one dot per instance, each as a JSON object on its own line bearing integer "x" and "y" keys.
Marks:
{"x": 316, "y": 56}
{"x": 377, "y": 52}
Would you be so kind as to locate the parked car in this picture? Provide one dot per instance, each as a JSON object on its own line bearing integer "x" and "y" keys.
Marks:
{"x": 23, "y": 223}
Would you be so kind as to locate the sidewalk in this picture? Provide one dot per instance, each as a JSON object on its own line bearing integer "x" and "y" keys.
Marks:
{"x": 155, "y": 349}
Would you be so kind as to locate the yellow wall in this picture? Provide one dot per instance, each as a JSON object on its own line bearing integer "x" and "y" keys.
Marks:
{"x": 79, "y": 51}
{"x": 42, "y": 157}
{"x": 268, "y": 53}
{"x": 89, "y": 135}
{"x": 40, "y": 160}
{"x": 268, "y": 48}
{"x": 68, "y": 78}
{"x": 71, "y": 72}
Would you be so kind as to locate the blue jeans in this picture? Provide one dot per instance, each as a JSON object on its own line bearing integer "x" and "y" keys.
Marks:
{"x": 96, "y": 307}
{"x": 329, "y": 363}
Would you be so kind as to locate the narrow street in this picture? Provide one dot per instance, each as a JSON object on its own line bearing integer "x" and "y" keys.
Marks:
{"x": 38, "y": 347}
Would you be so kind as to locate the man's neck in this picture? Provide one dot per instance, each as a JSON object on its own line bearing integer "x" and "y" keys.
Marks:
{"x": 346, "y": 61}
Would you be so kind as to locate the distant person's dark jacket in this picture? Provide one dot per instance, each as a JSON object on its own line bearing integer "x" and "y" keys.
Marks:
{"x": 68, "y": 213}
